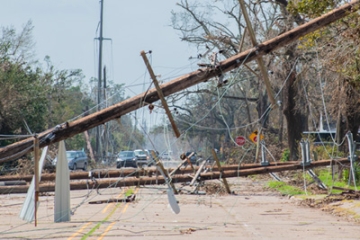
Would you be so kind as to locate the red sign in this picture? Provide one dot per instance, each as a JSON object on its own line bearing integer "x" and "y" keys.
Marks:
{"x": 240, "y": 140}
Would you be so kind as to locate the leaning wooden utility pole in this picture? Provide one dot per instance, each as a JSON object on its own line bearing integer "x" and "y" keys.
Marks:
{"x": 69, "y": 129}
{"x": 161, "y": 95}
{"x": 263, "y": 71}
{"x": 259, "y": 60}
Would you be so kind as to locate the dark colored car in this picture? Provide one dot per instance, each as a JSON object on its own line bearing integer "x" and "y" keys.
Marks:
{"x": 126, "y": 159}
{"x": 76, "y": 160}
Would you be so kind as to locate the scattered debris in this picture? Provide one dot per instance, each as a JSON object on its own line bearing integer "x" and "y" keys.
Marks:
{"x": 212, "y": 188}
{"x": 320, "y": 203}
{"x": 130, "y": 198}
{"x": 187, "y": 231}
{"x": 347, "y": 190}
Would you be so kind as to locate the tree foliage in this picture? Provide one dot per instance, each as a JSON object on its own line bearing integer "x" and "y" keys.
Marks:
{"x": 37, "y": 97}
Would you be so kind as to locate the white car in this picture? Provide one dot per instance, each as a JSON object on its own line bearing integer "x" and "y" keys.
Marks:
{"x": 165, "y": 156}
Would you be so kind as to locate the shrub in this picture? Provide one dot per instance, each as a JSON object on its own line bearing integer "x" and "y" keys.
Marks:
{"x": 327, "y": 152}
{"x": 285, "y": 156}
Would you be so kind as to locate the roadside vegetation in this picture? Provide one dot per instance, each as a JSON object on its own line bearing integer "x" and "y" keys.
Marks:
{"x": 285, "y": 188}
{"x": 302, "y": 183}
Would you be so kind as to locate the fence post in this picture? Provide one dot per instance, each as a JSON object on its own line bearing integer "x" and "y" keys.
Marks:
{"x": 352, "y": 157}
{"x": 264, "y": 162}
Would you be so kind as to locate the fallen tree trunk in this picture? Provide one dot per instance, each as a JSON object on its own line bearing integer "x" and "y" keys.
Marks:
{"x": 140, "y": 181}
{"x": 69, "y": 129}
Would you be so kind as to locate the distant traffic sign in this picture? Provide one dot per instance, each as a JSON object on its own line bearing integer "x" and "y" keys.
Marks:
{"x": 240, "y": 140}
{"x": 253, "y": 136}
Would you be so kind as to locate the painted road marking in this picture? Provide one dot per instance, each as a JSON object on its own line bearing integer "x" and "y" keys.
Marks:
{"x": 107, "y": 207}
{"x": 103, "y": 211}
{"x": 79, "y": 231}
{"x": 124, "y": 209}
{"x": 105, "y": 220}
{"x": 112, "y": 204}
{"x": 101, "y": 222}
{"x": 106, "y": 231}
{"x": 113, "y": 223}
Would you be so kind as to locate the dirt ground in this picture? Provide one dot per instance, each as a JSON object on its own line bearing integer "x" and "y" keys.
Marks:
{"x": 252, "y": 212}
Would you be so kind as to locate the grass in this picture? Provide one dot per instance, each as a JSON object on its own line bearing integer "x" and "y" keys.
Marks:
{"x": 324, "y": 175}
{"x": 326, "y": 178}
{"x": 285, "y": 188}
{"x": 129, "y": 192}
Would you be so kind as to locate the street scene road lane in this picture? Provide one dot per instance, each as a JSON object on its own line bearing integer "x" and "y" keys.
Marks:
{"x": 253, "y": 213}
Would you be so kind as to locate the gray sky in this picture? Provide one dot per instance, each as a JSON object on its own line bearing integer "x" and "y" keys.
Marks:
{"x": 65, "y": 30}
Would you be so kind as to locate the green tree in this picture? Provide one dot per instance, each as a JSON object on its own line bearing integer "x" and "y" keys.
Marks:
{"x": 33, "y": 99}
{"x": 23, "y": 95}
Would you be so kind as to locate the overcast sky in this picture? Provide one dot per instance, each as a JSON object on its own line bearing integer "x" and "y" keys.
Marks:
{"x": 65, "y": 30}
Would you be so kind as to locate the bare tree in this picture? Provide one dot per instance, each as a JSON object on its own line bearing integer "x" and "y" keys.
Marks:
{"x": 225, "y": 32}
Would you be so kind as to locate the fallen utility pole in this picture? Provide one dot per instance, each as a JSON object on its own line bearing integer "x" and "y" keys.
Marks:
{"x": 112, "y": 173}
{"x": 140, "y": 181}
{"x": 69, "y": 129}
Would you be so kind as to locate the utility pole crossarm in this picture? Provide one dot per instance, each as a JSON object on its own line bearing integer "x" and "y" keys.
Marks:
{"x": 70, "y": 129}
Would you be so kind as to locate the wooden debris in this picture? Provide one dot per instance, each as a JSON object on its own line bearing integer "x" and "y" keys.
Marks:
{"x": 130, "y": 198}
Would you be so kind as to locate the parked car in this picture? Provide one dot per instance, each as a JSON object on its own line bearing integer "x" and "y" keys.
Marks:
{"x": 126, "y": 159}
{"x": 143, "y": 159}
{"x": 165, "y": 156}
{"x": 76, "y": 160}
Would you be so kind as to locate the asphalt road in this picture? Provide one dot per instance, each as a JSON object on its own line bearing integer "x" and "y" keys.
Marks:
{"x": 250, "y": 214}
